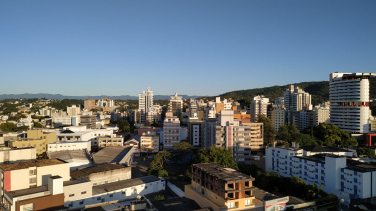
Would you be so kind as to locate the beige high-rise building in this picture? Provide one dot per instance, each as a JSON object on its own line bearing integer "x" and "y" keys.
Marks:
{"x": 278, "y": 117}
{"x": 171, "y": 130}
{"x": 89, "y": 104}
{"x": 259, "y": 106}
{"x": 73, "y": 110}
{"x": 176, "y": 105}
{"x": 296, "y": 99}
{"x": 149, "y": 142}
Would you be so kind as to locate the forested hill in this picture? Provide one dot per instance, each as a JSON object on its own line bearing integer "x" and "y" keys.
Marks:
{"x": 319, "y": 91}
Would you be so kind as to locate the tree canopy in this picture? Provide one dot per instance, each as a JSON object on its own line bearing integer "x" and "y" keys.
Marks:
{"x": 330, "y": 135}
{"x": 156, "y": 166}
{"x": 365, "y": 152}
{"x": 269, "y": 131}
{"x": 8, "y": 126}
{"x": 216, "y": 155}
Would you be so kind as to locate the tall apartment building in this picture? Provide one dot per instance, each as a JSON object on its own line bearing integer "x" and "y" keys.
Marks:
{"x": 278, "y": 117}
{"x": 149, "y": 142}
{"x": 232, "y": 134}
{"x": 256, "y": 135}
{"x": 154, "y": 113}
{"x": 349, "y": 101}
{"x": 259, "y": 105}
{"x": 196, "y": 132}
{"x": 171, "y": 131}
{"x": 176, "y": 105}
{"x": 220, "y": 188}
{"x": 73, "y": 110}
{"x": 296, "y": 99}
{"x": 145, "y": 101}
{"x": 89, "y": 104}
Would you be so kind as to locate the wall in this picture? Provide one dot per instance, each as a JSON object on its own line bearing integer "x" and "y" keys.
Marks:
{"x": 129, "y": 193}
{"x": 18, "y": 155}
{"x": 18, "y": 179}
{"x": 79, "y": 191}
{"x": 190, "y": 193}
{"x": 110, "y": 176}
{"x": 52, "y": 202}
{"x": 77, "y": 145}
{"x": 44, "y": 172}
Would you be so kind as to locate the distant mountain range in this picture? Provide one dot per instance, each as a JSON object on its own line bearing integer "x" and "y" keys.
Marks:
{"x": 319, "y": 91}
{"x": 61, "y": 97}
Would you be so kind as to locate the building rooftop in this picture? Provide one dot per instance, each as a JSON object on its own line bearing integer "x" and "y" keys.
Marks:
{"x": 136, "y": 138}
{"x": 85, "y": 172}
{"x": 111, "y": 154}
{"x": 362, "y": 168}
{"x": 221, "y": 172}
{"x": 323, "y": 149}
{"x": 123, "y": 184}
{"x": 27, "y": 164}
{"x": 68, "y": 155}
{"x": 262, "y": 195}
{"x": 40, "y": 189}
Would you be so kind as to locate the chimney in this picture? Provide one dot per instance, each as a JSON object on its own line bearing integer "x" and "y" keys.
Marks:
{"x": 55, "y": 185}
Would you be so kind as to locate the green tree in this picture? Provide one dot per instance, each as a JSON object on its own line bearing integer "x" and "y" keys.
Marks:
{"x": 182, "y": 150}
{"x": 366, "y": 152}
{"x": 269, "y": 131}
{"x": 304, "y": 140}
{"x": 157, "y": 164}
{"x": 331, "y": 135}
{"x": 216, "y": 155}
{"x": 38, "y": 125}
{"x": 8, "y": 126}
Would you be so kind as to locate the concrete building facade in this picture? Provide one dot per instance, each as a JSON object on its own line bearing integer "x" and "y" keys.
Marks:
{"x": 171, "y": 127}
{"x": 220, "y": 188}
{"x": 349, "y": 101}
{"x": 259, "y": 105}
{"x": 145, "y": 101}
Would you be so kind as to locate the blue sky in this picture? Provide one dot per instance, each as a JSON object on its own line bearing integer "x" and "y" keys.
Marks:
{"x": 195, "y": 47}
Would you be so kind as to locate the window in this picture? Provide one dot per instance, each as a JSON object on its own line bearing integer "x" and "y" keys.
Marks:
{"x": 247, "y": 202}
{"x": 99, "y": 198}
{"x": 70, "y": 205}
{"x": 123, "y": 192}
{"x": 230, "y": 205}
{"x": 71, "y": 195}
{"x": 111, "y": 195}
{"x": 83, "y": 192}
{"x": 81, "y": 202}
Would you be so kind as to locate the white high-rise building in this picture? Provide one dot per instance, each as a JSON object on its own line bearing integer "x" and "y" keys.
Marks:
{"x": 105, "y": 102}
{"x": 259, "y": 106}
{"x": 349, "y": 101}
{"x": 145, "y": 101}
{"x": 296, "y": 99}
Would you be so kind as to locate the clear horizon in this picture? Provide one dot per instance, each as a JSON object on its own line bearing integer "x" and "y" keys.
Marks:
{"x": 87, "y": 48}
